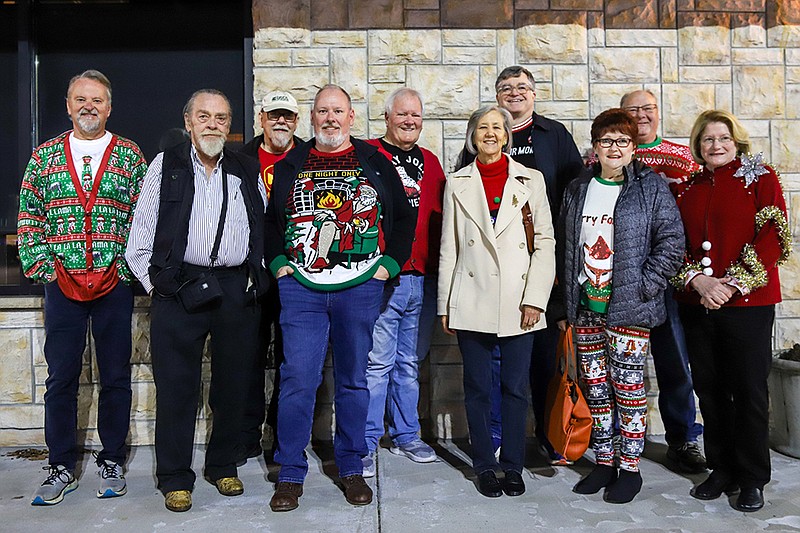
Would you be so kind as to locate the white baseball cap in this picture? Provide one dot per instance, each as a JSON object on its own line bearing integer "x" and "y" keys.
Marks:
{"x": 279, "y": 100}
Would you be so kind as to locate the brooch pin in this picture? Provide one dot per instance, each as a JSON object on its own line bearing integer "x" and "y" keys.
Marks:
{"x": 752, "y": 168}
{"x": 514, "y": 200}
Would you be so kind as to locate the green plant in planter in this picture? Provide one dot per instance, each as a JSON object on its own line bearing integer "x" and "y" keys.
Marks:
{"x": 792, "y": 354}
{"x": 784, "y": 391}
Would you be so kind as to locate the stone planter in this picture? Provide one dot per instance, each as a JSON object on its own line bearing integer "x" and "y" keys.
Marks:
{"x": 784, "y": 416}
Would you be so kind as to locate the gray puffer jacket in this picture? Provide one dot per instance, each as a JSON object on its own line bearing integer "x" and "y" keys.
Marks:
{"x": 648, "y": 246}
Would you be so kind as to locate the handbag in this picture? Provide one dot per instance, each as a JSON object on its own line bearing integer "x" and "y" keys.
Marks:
{"x": 204, "y": 291}
{"x": 569, "y": 421}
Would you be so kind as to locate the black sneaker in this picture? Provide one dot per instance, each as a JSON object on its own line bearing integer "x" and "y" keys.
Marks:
{"x": 688, "y": 457}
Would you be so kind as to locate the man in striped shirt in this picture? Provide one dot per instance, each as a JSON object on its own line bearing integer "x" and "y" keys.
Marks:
{"x": 196, "y": 245}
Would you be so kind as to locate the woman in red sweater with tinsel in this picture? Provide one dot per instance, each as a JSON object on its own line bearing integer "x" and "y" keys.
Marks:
{"x": 734, "y": 215}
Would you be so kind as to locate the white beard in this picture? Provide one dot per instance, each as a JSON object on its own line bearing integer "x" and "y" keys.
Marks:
{"x": 280, "y": 139}
{"x": 89, "y": 123}
{"x": 211, "y": 145}
{"x": 331, "y": 141}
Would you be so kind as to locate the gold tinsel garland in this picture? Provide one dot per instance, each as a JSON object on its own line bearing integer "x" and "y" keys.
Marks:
{"x": 679, "y": 279}
{"x": 784, "y": 233}
{"x": 752, "y": 277}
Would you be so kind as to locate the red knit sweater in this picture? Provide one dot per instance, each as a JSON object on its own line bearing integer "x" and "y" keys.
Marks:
{"x": 425, "y": 249}
{"x": 493, "y": 176}
{"x": 747, "y": 229}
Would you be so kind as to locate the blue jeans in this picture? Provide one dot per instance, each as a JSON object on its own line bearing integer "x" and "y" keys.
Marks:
{"x": 308, "y": 319}
{"x": 676, "y": 390}
{"x": 401, "y": 339}
{"x": 515, "y": 354}
{"x": 65, "y": 323}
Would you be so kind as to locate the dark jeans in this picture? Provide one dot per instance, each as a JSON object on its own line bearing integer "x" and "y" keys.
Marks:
{"x": 177, "y": 340}
{"x": 308, "y": 319}
{"x": 730, "y": 353}
{"x": 256, "y": 408}
{"x": 65, "y": 323}
{"x": 543, "y": 367}
{"x": 476, "y": 350}
{"x": 676, "y": 391}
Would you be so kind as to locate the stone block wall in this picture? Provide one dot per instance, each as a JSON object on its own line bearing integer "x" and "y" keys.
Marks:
{"x": 740, "y": 55}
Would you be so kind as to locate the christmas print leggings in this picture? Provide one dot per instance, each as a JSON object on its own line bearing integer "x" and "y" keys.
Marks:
{"x": 612, "y": 377}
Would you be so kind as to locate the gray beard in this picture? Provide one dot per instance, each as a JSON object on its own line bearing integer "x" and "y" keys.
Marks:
{"x": 329, "y": 141}
{"x": 280, "y": 139}
{"x": 89, "y": 123}
{"x": 211, "y": 145}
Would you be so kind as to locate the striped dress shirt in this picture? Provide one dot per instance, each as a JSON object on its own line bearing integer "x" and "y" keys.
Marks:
{"x": 206, "y": 207}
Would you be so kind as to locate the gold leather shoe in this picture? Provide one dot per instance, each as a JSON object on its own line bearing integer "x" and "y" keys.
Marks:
{"x": 178, "y": 501}
{"x": 229, "y": 486}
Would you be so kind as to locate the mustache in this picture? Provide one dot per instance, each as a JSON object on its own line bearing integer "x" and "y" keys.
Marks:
{"x": 92, "y": 112}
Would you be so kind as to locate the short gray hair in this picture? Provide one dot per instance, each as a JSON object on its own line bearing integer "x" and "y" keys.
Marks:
{"x": 628, "y": 95}
{"x": 402, "y": 91}
{"x": 477, "y": 115}
{"x": 187, "y": 109}
{"x": 333, "y": 86}
{"x": 94, "y": 75}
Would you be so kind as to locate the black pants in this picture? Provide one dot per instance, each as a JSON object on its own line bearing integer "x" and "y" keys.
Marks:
{"x": 177, "y": 340}
{"x": 65, "y": 323}
{"x": 256, "y": 410}
{"x": 730, "y": 353}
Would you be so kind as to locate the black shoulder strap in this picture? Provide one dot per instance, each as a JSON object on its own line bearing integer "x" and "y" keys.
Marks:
{"x": 221, "y": 222}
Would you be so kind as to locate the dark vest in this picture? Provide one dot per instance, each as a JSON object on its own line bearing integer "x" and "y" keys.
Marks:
{"x": 175, "y": 209}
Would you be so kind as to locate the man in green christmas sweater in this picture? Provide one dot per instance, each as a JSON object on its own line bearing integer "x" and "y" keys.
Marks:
{"x": 76, "y": 205}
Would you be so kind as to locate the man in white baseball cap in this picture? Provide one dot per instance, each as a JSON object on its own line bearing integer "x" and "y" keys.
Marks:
{"x": 278, "y": 117}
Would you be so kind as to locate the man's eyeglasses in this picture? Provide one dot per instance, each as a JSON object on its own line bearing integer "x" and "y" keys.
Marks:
{"x": 275, "y": 116}
{"x": 633, "y": 109}
{"x": 622, "y": 142}
{"x": 709, "y": 141}
{"x": 521, "y": 89}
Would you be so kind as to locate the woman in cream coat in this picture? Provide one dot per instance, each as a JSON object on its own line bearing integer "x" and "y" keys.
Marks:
{"x": 492, "y": 291}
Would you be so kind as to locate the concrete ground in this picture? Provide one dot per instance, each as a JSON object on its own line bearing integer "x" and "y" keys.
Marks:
{"x": 409, "y": 498}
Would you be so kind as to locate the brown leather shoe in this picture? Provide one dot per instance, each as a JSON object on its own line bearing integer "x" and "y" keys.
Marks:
{"x": 286, "y": 496}
{"x": 229, "y": 486}
{"x": 356, "y": 490}
{"x": 178, "y": 501}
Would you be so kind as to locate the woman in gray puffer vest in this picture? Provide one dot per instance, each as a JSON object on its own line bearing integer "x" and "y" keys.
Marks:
{"x": 620, "y": 239}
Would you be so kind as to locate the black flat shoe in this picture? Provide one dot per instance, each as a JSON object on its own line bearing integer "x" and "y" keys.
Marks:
{"x": 713, "y": 487}
{"x": 513, "y": 484}
{"x": 749, "y": 500}
{"x": 600, "y": 477}
{"x": 625, "y": 488}
{"x": 489, "y": 485}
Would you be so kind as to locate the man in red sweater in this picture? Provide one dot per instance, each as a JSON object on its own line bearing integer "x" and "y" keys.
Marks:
{"x": 667, "y": 343}
{"x": 402, "y": 334}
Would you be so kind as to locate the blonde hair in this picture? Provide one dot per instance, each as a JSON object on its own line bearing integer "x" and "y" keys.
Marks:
{"x": 739, "y": 134}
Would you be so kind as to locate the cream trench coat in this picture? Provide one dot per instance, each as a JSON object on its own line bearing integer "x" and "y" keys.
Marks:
{"x": 485, "y": 272}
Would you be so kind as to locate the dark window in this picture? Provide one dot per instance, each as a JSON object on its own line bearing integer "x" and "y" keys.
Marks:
{"x": 156, "y": 53}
